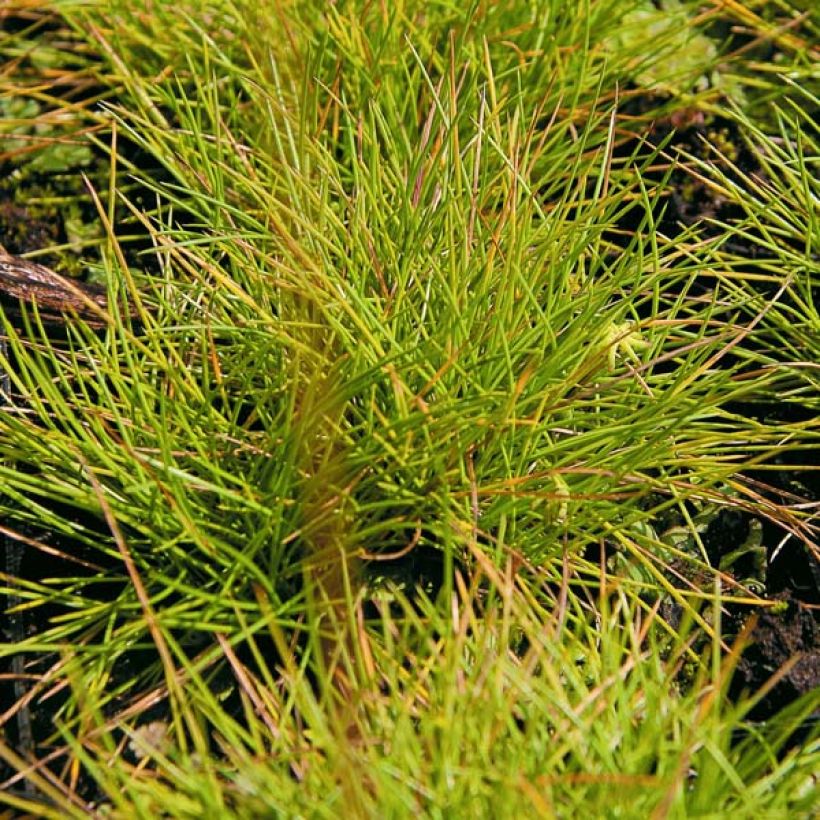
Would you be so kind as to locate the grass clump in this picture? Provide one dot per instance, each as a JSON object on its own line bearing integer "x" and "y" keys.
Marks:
{"x": 398, "y": 479}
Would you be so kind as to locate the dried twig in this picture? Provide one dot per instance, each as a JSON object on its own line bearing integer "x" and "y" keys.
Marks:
{"x": 54, "y": 295}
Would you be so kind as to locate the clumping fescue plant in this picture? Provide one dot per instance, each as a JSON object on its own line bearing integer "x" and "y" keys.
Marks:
{"x": 400, "y": 474}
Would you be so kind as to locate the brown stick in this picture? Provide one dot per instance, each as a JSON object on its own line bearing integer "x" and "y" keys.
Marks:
{"x": 54, "y": 295}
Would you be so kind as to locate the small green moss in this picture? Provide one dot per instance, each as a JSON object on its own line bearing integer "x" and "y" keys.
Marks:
{"x": 721, "y": 142}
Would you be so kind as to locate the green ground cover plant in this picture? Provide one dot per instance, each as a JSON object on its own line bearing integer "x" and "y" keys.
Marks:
{"x": 448, "y": 445}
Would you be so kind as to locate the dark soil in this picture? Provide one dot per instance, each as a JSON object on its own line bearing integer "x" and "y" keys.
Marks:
{"x": 784, "y": 638}
{"x": 789, "y": 633}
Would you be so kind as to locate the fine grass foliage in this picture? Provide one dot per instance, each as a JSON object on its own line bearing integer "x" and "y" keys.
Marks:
{"x": 391, "y": 281}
